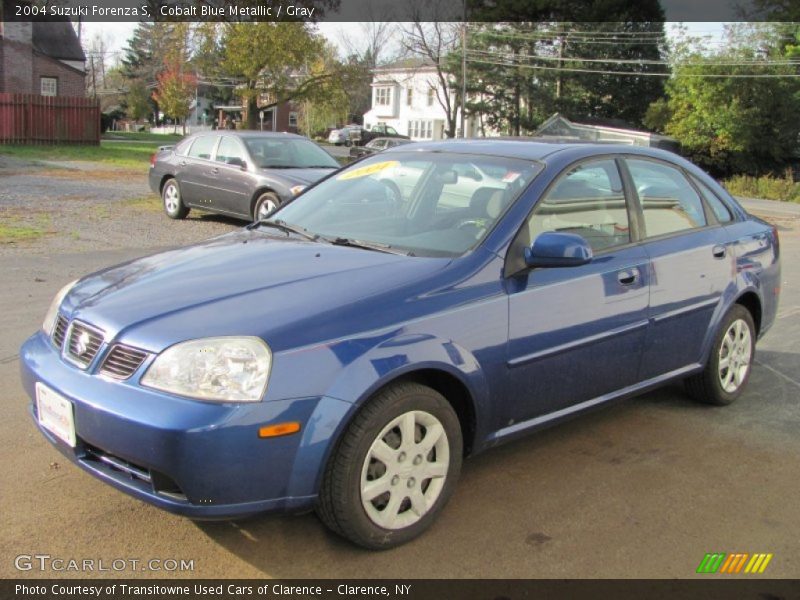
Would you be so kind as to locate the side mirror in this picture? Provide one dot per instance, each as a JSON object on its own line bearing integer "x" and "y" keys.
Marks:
{"x": 554, "y": 249}
{"x": 237, "y": 162}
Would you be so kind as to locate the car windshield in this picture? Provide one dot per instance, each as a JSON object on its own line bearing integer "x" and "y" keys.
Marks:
{"x": 433, "y": 204}
{"x": 288, "y": 153}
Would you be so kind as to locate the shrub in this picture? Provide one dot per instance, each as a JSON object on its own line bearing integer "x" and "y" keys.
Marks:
{"x": 767, "y": 187}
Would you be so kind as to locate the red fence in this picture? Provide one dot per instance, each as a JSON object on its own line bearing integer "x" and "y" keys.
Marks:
{"x": 32, "y": 119}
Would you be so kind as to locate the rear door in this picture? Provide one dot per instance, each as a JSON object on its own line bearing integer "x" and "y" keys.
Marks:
{"x": 195, "y": 179}
{"x": 231, "y": 183}
{"x": 577, "y": 333}
{"x": 690, "y": 264}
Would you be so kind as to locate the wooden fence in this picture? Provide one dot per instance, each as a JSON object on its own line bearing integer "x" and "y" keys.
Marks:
{"x": 33, "y": 119}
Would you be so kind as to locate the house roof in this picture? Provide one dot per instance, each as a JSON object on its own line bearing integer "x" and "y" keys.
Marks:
{"x": 597, "y": 123}
{"x": 57, "y": 39}
{"x": 407, "y": 64}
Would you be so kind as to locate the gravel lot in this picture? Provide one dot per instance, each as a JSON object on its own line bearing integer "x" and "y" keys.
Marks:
{"x": 641, "y": 489}
{"x": 82, "y": 207}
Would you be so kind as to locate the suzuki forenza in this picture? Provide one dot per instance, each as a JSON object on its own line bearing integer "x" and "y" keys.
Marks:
{"x": 422, "y": 305}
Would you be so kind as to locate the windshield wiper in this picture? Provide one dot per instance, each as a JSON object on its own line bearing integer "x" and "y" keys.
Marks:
{"x": 321, "y": 167}
{"x": 377, "y": 247}
{"x": 284, "y": 226}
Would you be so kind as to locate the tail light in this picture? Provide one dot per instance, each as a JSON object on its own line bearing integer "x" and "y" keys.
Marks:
{"x": 153, "y": 160}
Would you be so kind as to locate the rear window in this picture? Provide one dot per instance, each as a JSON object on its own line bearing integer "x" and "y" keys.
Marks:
{"x": 202, "y": 147}
{"x": 718, "y": 207}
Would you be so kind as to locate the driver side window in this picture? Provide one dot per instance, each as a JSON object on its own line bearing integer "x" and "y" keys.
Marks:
{"x": 587, "y": 200}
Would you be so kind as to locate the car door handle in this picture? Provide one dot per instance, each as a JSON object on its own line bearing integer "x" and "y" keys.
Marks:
{"x": 719, "y": 251}
{"x": 182, "y": 163}
{"x": 628, "y": 276}
{"x": 214, "y": 171}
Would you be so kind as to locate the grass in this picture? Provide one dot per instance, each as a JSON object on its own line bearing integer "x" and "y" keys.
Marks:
{"x": 143, "y": 136}
{"x": 783, "y": 189}
{"x": 23, "y": 227}
{"x": 134, "y": 156}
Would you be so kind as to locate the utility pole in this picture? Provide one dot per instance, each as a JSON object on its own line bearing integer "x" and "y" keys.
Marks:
{"x": 464, "y": 69}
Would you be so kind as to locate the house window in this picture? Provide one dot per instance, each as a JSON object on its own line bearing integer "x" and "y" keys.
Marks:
{"x": 431, "y": 96}
{"x": 409, "y": 96}
{"x": 420, "y": 129}
{"x": 383, "y": 96}
{"x": 49, "y": 86}
{"x": 292, "y": 119}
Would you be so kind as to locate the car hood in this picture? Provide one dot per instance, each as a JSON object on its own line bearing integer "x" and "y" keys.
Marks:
{"x": 299, "y": 176}
{"x": 250, "y": 282}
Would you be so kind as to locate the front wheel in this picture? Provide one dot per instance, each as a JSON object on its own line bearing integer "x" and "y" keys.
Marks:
{"x": 266, "y": 203}
{"x": 173, "y": 203}
{"x": 394, "y": 469}
{"x": 728, "y": 368}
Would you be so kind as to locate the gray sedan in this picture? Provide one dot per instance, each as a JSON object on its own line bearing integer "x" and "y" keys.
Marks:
{"x": 240, "y": 174}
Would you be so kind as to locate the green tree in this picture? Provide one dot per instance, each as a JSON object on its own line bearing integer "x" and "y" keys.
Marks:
{"x": 175, "y": 90}
{"x": 735, "y": 110}
{"x": 144, "y": 56}
{"x": 326, "y": 102}
{"x": 268, "y": 58}
{"x": 586, "y": 59}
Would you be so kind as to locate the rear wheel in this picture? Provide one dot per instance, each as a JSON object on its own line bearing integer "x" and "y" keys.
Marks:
{"x": 728, "y": 368}
{"x": 171, "y": 199}
{"x": 394, "y": 469}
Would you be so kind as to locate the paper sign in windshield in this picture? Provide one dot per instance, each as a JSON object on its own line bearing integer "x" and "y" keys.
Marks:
{"x": 368, "y": 170}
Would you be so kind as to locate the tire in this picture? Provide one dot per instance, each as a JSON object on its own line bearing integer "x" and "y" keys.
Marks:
{"x": 266, "y": 203}
{"x": 719, "y": 383}
{"x": 172, "y": 202}
{"x": 358, "y": 487}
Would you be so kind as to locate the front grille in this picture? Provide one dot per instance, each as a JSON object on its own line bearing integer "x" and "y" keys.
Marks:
{"x": 83, "y": 343}
{"x": 122, "y": 361}
{"x": 59, "y": 331}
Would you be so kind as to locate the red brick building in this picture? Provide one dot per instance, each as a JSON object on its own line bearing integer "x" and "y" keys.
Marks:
{"x": 41, "y": 58}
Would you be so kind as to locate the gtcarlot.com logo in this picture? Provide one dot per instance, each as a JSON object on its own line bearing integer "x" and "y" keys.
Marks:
{"x": 46, "y": 562}
{"x": 732, "y": 564}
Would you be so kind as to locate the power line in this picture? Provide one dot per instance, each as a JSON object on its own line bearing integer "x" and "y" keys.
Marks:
{"x": 623, "y": 61}
{"x": 636, "y": 73}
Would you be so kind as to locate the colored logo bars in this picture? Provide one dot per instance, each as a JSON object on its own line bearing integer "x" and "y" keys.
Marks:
{"x": 719, "y": 562}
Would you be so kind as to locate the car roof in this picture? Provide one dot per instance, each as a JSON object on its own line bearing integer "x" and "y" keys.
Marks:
{"x": 250, "y": 134}
{"x": 530, "y": 148}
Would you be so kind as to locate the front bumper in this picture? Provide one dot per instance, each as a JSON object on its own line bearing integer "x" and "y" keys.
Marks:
{"x": 202, "y": 460}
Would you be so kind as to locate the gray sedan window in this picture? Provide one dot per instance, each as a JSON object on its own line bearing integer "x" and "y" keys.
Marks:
{"x": 228, "y": 149}
{"x": 203, "y": 146}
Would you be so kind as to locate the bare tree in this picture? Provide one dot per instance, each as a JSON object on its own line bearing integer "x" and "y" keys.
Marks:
{"x": 370, "y": 48}
{"x": 371, "y": 45}
{"x": 432, "y": 39}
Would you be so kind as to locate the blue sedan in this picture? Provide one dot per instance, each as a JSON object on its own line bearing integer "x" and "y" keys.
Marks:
{"x": 420, "y": 306}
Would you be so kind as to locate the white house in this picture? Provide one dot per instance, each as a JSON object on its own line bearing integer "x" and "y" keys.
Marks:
{"x": 404, "y": 96}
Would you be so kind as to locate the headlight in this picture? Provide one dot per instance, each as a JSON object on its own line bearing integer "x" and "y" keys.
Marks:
{"x": 52, "y": 312}
{"x": 222, "y": 369}
{"x": 297, "y": 189}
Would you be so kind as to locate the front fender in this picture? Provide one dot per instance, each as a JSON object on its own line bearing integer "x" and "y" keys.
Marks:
{"x": 408, "y": 353}
{"x": 360, "y": 379}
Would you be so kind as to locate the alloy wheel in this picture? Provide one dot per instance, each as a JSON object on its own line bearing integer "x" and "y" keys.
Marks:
{"x": 735, "y": 354}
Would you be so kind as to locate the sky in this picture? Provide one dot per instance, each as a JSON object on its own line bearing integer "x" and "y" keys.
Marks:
{"x": 116, "y": 34}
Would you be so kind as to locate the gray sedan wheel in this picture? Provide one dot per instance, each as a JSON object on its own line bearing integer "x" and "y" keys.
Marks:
{"x": 171, "y": 199}
{"x": 266, "y": 203}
